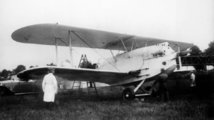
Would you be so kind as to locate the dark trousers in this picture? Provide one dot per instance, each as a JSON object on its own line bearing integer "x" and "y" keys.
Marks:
{"x": 49, "y": 105}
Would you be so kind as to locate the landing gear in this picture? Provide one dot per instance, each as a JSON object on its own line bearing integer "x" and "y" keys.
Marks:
{"x": 131, "y": 92}
{"x": 128, "y": 94}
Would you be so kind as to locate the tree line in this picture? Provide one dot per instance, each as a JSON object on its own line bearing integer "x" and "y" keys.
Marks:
{"x": 207, "y": 52}
{"x": 6, "y": 74}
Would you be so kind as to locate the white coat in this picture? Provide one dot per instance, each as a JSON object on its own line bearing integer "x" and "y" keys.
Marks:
{"x": 192, "y": 77}
{"x": 50, "y": 88}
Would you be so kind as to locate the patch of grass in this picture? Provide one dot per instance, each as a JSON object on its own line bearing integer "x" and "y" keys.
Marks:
{"x": 73, "y": 106}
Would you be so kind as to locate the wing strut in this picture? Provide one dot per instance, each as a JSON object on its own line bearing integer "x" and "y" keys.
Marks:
{"x": 179, "y": 59}
{"x": 133, "y": 44}
{"x": 56, "y": 47}
{"x": 70, "y": 47}
{"x": 139, "y": 85}
{"x": 57, "y": 40}
{"x": 113, "y": 56}
{"x": 125, "y": 48}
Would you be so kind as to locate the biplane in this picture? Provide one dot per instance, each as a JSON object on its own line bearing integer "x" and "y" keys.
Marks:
{"x": 140, "y": 63}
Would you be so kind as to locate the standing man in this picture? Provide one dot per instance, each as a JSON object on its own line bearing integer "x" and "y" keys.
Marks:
{"x": 163, "y": 87}
{"x": 50, "y": 88}
{"x": 192, "y": 83}
{"x": 160, "y": 87}
{"x": 192, "y": 78}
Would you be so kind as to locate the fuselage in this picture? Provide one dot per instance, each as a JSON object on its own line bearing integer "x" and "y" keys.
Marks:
{"x": 150, "y": 60}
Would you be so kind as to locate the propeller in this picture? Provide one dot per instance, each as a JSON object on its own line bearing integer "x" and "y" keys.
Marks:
{"x": 181, "y": 54}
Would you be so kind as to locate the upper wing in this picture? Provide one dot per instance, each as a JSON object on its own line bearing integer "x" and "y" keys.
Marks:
{"x": 72, "y": 74}
{"x": 48, "y": 33}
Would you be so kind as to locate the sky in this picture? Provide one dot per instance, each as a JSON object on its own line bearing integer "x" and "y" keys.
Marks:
{"x": 179, "y": 20}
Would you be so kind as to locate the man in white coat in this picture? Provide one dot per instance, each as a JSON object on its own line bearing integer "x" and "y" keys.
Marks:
{"x": 50, "y": 88}
{"x": 192, "y": 78}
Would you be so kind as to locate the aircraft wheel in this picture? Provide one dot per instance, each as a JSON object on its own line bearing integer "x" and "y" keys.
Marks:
{"x": 128, "y": 94}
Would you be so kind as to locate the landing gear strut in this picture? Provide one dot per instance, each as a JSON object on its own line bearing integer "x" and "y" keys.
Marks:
{"x": 130, "y": 92}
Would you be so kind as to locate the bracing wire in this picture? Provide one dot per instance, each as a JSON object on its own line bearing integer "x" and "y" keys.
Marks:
{"x": 84, "y": 41}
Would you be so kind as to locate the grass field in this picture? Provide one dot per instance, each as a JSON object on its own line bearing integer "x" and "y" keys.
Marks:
{"x": 108, "y": 106}
{"x": 78, "y": 105}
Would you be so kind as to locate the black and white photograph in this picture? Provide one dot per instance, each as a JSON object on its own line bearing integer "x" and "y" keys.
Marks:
{"x": 107, "y": 59}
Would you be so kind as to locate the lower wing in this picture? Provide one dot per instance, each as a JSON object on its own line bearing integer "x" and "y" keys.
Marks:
{"x": 77, "y": 74}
